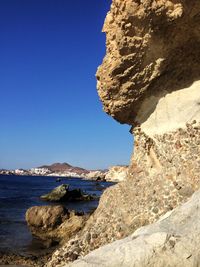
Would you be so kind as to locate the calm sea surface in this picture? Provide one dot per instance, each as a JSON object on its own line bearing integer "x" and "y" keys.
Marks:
{"x": 18, "y": 193}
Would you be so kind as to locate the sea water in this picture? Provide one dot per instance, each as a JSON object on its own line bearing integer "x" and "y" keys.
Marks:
{"x": 18, "y": 193}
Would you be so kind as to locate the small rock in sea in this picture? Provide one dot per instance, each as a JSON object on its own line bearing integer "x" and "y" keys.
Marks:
{"x": 62, "y": 193}
{"x": 56, "y": 194}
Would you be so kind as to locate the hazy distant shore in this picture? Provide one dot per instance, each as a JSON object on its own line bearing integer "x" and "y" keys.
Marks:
{"x": 65, "y": 170}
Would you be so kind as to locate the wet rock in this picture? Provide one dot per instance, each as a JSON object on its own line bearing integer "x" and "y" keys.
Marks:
{"x": 62, "y": 193}
{"x": 57, "y": 194}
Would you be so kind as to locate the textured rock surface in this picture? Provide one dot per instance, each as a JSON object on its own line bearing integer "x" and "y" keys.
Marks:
{"x": 96, "y": 175}
{"x": 162, "y": 175}
{"x": 152, "y": 49}
{"x": 148, "y": 79}
{"x": 117, "y": 173}
{"x": 53, "y": 223}
{"x": 172, "y": 241}
{"x": 114, "y": 174}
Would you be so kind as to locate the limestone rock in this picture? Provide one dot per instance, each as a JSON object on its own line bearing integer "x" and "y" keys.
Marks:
{"x": 96, "y": 175}
{"x": 117, "y": 173}
{"x": 149, "y": 79}
{"x": 46, "y": 217}
{"x": 114, "y": 174}
{"x": 53, "y": 223}
{"x": 139, "y": 200}
{"x": 171, "y": 241}
{"x": 153, "y": 49}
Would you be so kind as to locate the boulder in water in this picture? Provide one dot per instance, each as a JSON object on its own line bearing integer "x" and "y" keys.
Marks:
{"x": 57, "y": 193}
{"x": 53, "y": 224}
{"x": 62, "y": 193}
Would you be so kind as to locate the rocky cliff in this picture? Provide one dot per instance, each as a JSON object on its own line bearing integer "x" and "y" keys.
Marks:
{"x": 152, "y": 50}
{"x": 116, "y": 173}
{"x": 172, "y": 241}
{"x": 150, "y": 79}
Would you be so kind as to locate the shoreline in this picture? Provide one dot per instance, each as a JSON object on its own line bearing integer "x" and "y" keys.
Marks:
{"x": 113, "y": 174}
{"x": 11, "y": 258}
{"x": 33, "y": 257}
{"x": 60, "y": 177}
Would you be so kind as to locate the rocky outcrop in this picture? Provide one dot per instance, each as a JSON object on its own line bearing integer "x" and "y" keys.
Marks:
{"x": 53, "y": 224}
{"x": 149, "y": 79}
{"x": 62, "y": 193}
{"x": 172, "y": 241}
{"x": 137, "y": 201}
{"x": 57, "y": 193}
{"x": 96, "y": 175}
{"x": 114, "y": 174}
{"x": 152, "y": 50}
{"x": 117, "y": 173}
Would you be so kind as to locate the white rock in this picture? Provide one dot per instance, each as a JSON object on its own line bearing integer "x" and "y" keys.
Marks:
{"x": 170, "y": 111}
{"x": 116, "y": 173}
{"x": 173, "y": 241}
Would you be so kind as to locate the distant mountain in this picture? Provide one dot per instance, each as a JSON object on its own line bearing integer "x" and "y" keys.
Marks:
{"x": 64, "y": 167}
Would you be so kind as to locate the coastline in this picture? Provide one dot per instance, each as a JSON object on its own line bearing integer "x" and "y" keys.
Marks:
{"x": 30, "y": 261}
{"x": 114, "y": 174}
{"x": 29, "y": 255}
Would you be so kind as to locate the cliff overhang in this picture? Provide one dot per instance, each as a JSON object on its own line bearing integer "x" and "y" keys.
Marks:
{"x": 153, "y": 51}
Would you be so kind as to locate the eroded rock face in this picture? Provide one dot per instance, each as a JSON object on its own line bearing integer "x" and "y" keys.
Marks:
{"x": 153, "y": 48}
{"x": 163, "y": 174}
{"x": 117, "y": 173}
{"x": 172, "y": 241}
{"x": 96, "y": 175}
{"x": 46, "y": 217}
{"x": 53, "y": 223}
{"x": 149, "y": 79}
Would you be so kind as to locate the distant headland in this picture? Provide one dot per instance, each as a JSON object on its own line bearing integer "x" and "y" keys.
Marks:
{"x": 114, "y": 173}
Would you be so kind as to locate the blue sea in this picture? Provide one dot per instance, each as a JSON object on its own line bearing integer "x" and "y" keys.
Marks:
{"x": 18, "y": 193}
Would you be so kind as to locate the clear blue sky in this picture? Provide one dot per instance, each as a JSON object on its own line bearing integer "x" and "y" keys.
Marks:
{"x": 50, "y": 110}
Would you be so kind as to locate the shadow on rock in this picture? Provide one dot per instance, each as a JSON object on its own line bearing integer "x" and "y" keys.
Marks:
{"x": 54, "y": 224}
